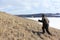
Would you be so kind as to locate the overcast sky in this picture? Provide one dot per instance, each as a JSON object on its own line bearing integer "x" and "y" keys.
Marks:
{"x": 30, "y": 6}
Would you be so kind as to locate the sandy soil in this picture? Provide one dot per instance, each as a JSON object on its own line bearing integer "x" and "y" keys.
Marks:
{"x": 18, "y": 28}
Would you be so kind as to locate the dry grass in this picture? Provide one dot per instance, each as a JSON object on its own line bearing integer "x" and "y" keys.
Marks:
{"x": 17, "y": 28}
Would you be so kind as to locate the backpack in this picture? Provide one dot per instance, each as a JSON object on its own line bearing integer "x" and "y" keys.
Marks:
{"x": 46, "y": 20}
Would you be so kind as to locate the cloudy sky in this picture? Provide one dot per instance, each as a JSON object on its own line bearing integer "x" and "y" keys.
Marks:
{"x": 30, "y": 6}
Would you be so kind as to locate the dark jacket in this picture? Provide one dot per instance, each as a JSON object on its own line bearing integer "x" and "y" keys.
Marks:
{"x": 45, "y": 21}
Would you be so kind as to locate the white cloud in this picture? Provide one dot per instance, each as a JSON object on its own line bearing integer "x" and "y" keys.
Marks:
{"x": 5, "y": 7}
{"x": 32, "y": 6}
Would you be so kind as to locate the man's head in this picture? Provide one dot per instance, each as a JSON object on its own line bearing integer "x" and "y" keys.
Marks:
{"x": 43, "y": 15}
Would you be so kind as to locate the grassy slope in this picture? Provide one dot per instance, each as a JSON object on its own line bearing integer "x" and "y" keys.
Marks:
{"x": 17, "y": 28}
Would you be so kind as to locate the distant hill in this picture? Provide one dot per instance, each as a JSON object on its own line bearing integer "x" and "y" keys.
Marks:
{"x": 39, "y": 15}
{"x": 19, "y": 28}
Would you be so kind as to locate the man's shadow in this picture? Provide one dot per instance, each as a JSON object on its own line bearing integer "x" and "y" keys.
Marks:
{"x": 38, "y": 33}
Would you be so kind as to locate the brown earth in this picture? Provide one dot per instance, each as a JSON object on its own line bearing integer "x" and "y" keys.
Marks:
{"x": 18, "y": 28}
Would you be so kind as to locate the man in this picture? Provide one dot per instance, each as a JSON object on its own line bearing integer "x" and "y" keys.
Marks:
{"x": 45, "y": 25}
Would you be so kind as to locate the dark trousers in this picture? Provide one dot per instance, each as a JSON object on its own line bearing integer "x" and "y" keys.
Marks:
{"x": 46, "y": 28}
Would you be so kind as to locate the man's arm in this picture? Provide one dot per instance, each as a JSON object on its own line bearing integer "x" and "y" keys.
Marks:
{"x": 40, "y": 21}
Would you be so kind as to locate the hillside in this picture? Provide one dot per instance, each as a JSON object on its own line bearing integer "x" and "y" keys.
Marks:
{"x": 18, "y": 28}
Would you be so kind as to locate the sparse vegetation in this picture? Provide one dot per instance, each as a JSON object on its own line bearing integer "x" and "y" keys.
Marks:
{"x": 18, "y": 28}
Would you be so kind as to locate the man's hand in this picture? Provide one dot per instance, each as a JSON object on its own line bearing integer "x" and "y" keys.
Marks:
{"x": 40, "y": 21}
